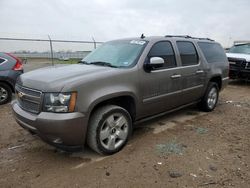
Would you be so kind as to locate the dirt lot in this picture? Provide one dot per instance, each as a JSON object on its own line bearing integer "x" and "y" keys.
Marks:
{"x": 183, "y": 149}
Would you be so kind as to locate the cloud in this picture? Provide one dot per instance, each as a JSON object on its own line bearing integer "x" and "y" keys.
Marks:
{"x": 111, "y": 19}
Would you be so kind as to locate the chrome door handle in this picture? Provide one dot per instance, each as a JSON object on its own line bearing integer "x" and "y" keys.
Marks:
{"x": 199, "y": 71}
{"x": 175, "y": 76}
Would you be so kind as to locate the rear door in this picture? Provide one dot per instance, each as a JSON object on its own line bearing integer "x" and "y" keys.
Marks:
{"x": 6, "y": 62}
{"x": 192, "y": 71}
{"x": 162, "y": 86}
{"x": 2, "y": 63}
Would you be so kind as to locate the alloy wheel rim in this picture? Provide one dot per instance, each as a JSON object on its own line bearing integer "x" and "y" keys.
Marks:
{"x": 114, "y": 131}
{"x": 212, "y": 98}
{"x": 3, "y": 94}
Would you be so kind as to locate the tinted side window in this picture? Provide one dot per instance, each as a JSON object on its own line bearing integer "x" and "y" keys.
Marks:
{"x": 164, "y": 50}
{"x": 188, "y": 53}
{"x": 1, "y": 60}
{"x": 213, "y": 52}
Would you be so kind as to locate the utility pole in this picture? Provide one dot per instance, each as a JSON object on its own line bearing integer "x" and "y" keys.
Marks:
{"x": 51, "y": 51}
{"x": 94, "y": 42}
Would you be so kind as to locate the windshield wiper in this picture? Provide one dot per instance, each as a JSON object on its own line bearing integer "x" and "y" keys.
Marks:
{"x": 83, "y": 62}
{"x": 103, "y": 63}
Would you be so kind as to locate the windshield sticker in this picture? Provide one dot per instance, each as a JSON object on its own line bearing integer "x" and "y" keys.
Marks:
{"x": 140, "y": 42}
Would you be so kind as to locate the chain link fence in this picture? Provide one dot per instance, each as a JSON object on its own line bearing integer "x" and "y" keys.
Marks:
{"x": 47, "y": 51}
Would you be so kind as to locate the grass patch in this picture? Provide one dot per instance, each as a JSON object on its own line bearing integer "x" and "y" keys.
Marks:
{"x": 70, "y": 61}
{"x": 170, "y": 148}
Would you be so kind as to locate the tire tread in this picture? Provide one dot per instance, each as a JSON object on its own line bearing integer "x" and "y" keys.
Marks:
{"x": 203, "y": 104}
{"x": 94, "y": 123}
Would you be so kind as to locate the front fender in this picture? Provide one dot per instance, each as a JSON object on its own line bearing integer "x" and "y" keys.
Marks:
{"x": 87, "y": 100}
{"x": 109, "y": 96}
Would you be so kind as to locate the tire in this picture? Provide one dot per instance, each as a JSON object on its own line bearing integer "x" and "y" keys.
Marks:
{"x": 5, "y": 93}
{"x": 106, "y": 135}
{"x": 210, "y": 99}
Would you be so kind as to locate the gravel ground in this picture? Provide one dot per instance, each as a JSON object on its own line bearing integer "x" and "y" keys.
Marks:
{"x": 187, "y": 148}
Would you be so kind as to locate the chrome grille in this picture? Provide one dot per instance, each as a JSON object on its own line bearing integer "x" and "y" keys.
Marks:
{"x": 236, "y": 63}
{"x": 28, "y": 99}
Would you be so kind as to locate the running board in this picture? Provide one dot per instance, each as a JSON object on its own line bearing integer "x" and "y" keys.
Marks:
{"x": 164, "y": 113}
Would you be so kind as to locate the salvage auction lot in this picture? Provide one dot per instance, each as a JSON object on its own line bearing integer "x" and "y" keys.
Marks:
{"x": 183, "y": 149}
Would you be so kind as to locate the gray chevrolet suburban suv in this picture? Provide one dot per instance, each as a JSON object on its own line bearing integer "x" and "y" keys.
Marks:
{"x": 119, "y": 84}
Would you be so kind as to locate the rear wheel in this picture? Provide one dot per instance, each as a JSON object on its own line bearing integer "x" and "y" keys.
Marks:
{"x": 109, "y": 129}
{"x": 5, "y": 93}
{"x": 210, "y": 99}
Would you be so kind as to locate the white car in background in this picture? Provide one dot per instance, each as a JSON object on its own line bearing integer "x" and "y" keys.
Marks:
{"x": 63, "y": 58}
{"x": 239, "y": 60}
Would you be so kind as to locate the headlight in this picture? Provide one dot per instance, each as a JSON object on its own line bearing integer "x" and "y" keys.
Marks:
{"x": 59, "y": 102}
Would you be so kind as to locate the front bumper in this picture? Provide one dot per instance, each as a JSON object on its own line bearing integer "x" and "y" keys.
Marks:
{"x": 239, "y": 73}
{"x": 239, "y": 68}
{"x": 66, "y": 131}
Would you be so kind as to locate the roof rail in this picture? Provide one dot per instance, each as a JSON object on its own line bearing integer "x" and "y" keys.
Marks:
{"x": 202, "y": 38}
{"x": 188, "y": 37}
{"x": 182, "y": 36}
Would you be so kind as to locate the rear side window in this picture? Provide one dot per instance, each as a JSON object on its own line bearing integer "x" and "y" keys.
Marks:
{"x": 188, "y": 53}
{"x": 213, "y": 52}
{"x": 164, "y": 50}
{"x": 2, "y": 60}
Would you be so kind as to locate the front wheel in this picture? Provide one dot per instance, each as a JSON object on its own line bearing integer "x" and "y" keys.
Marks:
{"x": 210, "y": 99}
{"x": 109, "y": 129}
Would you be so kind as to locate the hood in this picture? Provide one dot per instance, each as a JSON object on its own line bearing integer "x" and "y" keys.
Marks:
{"x": 54, "y": 78}
{"x": 240, "y": 56}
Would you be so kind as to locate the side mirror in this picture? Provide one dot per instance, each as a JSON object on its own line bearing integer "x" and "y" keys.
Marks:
{"x": 156, "y": 61}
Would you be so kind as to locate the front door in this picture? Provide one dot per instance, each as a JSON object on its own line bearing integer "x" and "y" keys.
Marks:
{"x": 161, "y": 86}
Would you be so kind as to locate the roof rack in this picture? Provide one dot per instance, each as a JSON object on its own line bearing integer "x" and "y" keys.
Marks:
{"x": 188, "y": 37}
{"x": 182, "y": 36}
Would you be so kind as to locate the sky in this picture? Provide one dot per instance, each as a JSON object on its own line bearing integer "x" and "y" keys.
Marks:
{"x": 222, "y": 20}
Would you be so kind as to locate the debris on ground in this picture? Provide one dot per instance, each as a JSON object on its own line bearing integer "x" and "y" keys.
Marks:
{"x": 15, "y": 147}
{"x": 175, "y": 174}
{"x": 170, "y": 148}
{"x": 194, "y": 175}
{"x": 212, "y": 167}
{"x": 239, "y": 104}
{"x": 208, "y": 183}
{"x": 156, "y": 167}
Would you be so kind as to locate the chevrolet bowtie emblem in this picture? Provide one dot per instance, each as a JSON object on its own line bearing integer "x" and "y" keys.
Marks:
{"x": 20, "y": 94}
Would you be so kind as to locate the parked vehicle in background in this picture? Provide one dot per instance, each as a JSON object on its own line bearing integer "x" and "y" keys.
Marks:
{"x": 121, "y": 83}
{"x": 10, "y": 68}
{"x": 239, "y": 61}
{"x": 63, "y": 58}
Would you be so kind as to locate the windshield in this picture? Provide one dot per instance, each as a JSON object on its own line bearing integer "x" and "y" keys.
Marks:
{"x": 122, "y": 53}
{"x": 242, "y": 49}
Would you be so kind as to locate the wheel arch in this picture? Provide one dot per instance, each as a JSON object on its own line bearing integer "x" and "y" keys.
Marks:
{"x": 218, "y": 80}
{"x": 8, "y": 84}
{"x": 125, "y": 100}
